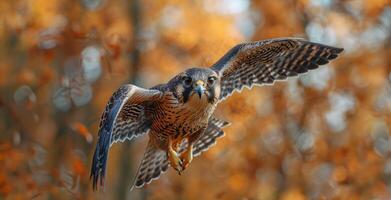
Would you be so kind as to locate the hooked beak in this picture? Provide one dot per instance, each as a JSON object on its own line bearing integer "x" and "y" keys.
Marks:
{"x": 199, "y": 88}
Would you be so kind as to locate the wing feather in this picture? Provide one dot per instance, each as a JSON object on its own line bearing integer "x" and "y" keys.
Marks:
{"x": 124, "y": 118}
{"x": 263, "y": 62}
{"x": 154, "y": 164}
{"x": 209, "y": 138}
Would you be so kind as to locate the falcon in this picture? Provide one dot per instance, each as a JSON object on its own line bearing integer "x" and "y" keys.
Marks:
{"x": 178, "y": 116}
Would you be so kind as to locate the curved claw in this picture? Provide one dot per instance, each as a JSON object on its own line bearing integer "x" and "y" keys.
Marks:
{"x": 187, "y": 157}
{"x": 174, "y": 159}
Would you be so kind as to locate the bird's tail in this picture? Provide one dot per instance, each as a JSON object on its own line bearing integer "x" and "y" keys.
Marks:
{"x": 154, "y": 163}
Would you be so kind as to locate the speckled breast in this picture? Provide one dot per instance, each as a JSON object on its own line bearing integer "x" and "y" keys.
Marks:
{"x": 179, "y": 120}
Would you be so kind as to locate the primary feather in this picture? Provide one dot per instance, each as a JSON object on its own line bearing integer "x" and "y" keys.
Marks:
{"x": 265, "y": 61}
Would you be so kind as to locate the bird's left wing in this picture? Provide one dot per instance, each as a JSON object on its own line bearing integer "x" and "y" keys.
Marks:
{"x": 125, "y": 117}
{"x": 264, "y": 61}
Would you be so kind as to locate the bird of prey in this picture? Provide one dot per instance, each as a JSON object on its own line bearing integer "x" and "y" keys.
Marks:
{"x": 178, "y": 116}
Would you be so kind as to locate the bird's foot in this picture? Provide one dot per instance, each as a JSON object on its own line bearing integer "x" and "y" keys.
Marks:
{"x": 174, "y": 159}
{"x": 187, "y": 157}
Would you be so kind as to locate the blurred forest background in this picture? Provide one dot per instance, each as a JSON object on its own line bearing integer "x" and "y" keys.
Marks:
{"x": 325, "y": 135}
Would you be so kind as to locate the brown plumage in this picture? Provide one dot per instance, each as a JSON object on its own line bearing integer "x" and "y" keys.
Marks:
{"x": 178, "y": 116}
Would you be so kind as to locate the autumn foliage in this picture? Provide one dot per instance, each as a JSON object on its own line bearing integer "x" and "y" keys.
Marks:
{"x": 325, "y": 135}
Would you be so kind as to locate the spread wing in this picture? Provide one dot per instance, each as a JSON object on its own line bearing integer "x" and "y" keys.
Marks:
{"x": 265, "y": 61}
{"x": 125, "y": 117}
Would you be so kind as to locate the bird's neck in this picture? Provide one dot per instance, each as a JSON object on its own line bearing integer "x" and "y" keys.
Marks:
{"x": 199, "y": 106}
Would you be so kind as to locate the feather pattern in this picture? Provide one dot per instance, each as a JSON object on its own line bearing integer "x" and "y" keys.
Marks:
{"x": 154, "y": 163}
{"x": 209, "y": 137}
{"x": 120, "y": 121}
{"x": 265, "y": 61}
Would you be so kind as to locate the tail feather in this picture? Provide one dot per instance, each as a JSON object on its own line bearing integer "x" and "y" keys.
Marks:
{"x": 154, "y": 163}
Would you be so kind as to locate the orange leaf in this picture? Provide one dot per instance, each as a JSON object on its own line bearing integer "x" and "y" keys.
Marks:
{"x": 82, "y": 130}
{"x": 79, "y": 168}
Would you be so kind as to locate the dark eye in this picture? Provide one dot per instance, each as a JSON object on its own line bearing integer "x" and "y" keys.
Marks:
{"x": 211, "y": 80}
{"x": 186, "y": 80}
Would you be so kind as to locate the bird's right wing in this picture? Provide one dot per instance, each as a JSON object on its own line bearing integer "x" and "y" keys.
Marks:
{"x": 125, "y": 117}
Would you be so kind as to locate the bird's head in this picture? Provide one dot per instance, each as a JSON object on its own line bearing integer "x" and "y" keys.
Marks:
{"x": 198, "y": 84}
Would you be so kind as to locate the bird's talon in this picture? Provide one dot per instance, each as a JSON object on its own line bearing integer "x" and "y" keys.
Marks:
{"x": 185, "y": 165}
{"x": 174, "y": 159}
{"x": 187, "y": 157}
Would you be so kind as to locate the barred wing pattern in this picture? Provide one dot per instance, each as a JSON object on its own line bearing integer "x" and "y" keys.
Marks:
{"x": 131, "y": 122}
{"x": 265, "y": 61}
{"x": 212, "y": 132}
{"x": 209, "y": 138}
{"x": 123, "y": 118}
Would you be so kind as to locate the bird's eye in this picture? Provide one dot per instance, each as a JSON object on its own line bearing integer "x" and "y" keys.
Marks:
{"x": 186, "y": 80}
{"x": 211, "y": 80}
